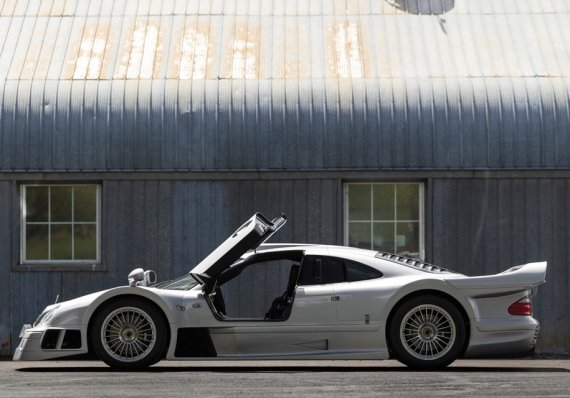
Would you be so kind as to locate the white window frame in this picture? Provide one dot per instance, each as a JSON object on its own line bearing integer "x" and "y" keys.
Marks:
{"x": 23, "y": 224}
{"x": 421, "y": 210}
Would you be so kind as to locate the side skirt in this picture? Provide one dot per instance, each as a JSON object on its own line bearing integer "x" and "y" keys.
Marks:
{"x": 194, "y": 342}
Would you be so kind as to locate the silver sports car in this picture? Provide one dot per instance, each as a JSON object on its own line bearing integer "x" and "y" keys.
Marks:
{"x": 334, "y": 303}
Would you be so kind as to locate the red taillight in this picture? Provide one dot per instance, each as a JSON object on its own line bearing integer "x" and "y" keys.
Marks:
{"x": 521, "y": 307}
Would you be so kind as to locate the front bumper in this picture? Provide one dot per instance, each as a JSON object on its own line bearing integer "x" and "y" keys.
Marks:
{"x": 41, "y": 343}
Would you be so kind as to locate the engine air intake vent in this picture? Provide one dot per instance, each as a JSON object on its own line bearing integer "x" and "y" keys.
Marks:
{"x": 410, "y": 262}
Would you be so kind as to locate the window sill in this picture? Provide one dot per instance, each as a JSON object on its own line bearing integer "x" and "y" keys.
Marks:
{"x": 60, "y": 267}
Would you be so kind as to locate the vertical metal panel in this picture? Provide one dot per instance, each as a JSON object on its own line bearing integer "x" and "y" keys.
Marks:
{"x": 202, "y": 219}
{"x": 499, "y": 223}
{"x": 7, "y": 114}
{"x": 5, "y": 262}
{"x": 315, "y": 122}
{"x": 291, "y": 121}
{"x": 421, "y": 129}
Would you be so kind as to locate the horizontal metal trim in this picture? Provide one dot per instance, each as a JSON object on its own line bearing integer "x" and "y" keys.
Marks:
{"x": 347, "y": 175}
{"x": 59, "y": 267}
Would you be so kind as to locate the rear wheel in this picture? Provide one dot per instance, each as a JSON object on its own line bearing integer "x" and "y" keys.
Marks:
{"x": 129, "y": 334}
{"x": 427, "y": 332}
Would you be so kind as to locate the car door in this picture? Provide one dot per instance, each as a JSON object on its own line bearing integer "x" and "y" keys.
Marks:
{"x": 248, "y": 327}
{"x": 357, "y": 295}
{"x": 352, "y": 289}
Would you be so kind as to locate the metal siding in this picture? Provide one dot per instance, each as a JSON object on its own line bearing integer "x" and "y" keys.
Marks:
{"x": 370, "y": 86}
{"x": 136, "y": 228}
{"x": 206, "y": 212}
{"x": 289, "y": 85}
{"x": 5, "y": 261}
{"x": 486, "y": 226}
{"x": 46, "y": 286}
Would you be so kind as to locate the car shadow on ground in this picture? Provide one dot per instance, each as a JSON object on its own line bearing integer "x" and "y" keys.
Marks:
{"x": 293, "y": 369}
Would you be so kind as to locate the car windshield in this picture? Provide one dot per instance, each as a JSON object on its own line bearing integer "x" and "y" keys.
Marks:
{"x": 185, "y": 282}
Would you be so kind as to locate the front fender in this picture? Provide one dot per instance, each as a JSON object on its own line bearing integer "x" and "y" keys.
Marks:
{"x": 166, "y": 301}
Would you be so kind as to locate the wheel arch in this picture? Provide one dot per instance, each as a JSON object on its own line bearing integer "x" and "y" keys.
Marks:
{"x": 434, "y": 292}
{"x": 101, "y": 304}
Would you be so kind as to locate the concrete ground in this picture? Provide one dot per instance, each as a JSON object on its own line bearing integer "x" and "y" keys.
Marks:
{"x": 482, "y": 378}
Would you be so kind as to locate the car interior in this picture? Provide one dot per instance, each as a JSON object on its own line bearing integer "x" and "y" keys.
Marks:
{"x": 274, "y": 302}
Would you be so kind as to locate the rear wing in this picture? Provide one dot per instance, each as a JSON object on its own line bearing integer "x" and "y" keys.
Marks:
{"x": 524, "y": 276}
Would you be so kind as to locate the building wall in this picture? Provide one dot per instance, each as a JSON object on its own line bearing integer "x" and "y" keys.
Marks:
{"x": 387, "y": 124}
{"x": 483, "y": 226}
{"x": 473, "y": 225}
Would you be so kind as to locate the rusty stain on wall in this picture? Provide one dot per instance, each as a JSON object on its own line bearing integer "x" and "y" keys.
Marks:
{"x": 91, "y": 55}
{"x": 139, "y": 51}
{"x": 242, "y": 53}
{"x": 45, "y": 40}
{"x": 193, "y": 54}
{"x": 345, "y": 50}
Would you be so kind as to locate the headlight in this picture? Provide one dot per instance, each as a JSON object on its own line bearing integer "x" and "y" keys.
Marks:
{"x": 46, "y": 315}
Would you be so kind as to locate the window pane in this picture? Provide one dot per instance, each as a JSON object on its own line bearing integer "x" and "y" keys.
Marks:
{"x": 85, "y": 236}
{"x": 407, "y": 239}
{"x": 384, "y": 236}
{"x": 37, "y": 204}
{"x": 359, "y": 202}
{"x": 359, "y": 235}
{"x": 60, "y": 204}
{"x": 384, "y": 202}
{"x": 359, "y": 272}
{"x": 37, "y": 242}
{"x": 61, "y": 242}
{"x": 332, "y": 270}
{"x": 85, "y": 206}
{"x": 408, "y": 201}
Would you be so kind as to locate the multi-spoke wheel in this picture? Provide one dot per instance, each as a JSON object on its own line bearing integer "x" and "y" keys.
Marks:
{"x": 128, "y": 334}
{"x": 427, "y": 332}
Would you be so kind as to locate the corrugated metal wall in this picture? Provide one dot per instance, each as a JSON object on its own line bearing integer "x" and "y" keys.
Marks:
{"x": 316, "y": 85}
{"x": 6, "y": 344}
{"x": 482, "y": 226}
{"x": 167, "y": 226}
{"x": 475, "y": 226}
{"x": 210, "y": 211}
{"x": 293, "y": 125}
{"x": 136, "y": 232}
{"x": 419, "y": 84}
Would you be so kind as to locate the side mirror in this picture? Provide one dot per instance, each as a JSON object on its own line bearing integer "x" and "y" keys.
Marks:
{"x": 149, "y": 278}
{"x": 136, "y": 276}
{"x": 140, "y": 277}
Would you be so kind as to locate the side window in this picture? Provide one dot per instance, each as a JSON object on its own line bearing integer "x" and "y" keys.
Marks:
{"x": 317, "y": 270}
{"x": 359, "y": 272}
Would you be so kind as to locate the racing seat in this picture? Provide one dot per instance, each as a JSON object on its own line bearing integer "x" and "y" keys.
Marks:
{"x": 281, "y": 305}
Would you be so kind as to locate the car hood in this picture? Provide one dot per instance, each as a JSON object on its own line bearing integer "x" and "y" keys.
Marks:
{"x": 248, "y": 236}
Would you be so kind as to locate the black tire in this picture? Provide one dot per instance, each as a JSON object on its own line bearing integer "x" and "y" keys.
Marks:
{"x": 129, "y": 334}
{"x": 427, "y": 332}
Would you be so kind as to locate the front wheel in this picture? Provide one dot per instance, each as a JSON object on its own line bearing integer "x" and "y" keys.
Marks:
{"x": 427, "y": 332}
{"x": 128, "y": 334}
